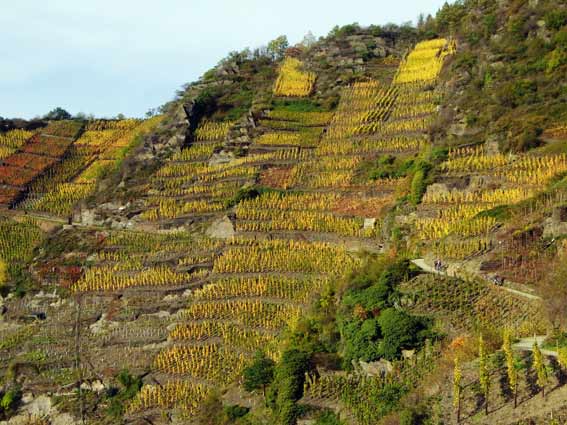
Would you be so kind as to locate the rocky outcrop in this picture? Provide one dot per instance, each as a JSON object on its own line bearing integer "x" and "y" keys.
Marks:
{"x": 39, "y": 407}
{"x": 223, "y": 228}
{"x": 556, "y": 225}
{"x": 379, "y": 368}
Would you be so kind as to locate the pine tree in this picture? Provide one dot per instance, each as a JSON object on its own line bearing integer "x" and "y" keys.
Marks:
{"x": 511, "y": 366}
{"x": 484, "y": 375}
{"x": 457, "y": 377}
{"x": 540, "y": 368}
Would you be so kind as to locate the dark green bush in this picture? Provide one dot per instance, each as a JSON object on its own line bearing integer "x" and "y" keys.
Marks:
{"x": 388, "y": 166}
{"x": 517, "y": 28}
{"x": 302, "y": 105}
{"x": 9, "y": 401}
{"x": 361, "y": 340}
{"x": 555, "y": 19}
{"x": 328, "y": 417}
{"x": 490, "y": 23}
{"x": 247, "y": 193}
{"x": 345, "y": 30}
{"x": 287, "y": 387}
{"x": 418, "y": 184}
{"x": 415, "y": 415}
{"x": 525, "y": 92}
{"x": 401, "y": 331}
{"x": 501, "y": 212}
{"x": 259, "y": 374}
{"x": 117, "y": 398}
{"x": 291, "y": 372}
{"x": 235, "y": 411}
{"x": 528, "y": 139}
{"x": 465, "y": 60}
{"x": 373, "y": 292}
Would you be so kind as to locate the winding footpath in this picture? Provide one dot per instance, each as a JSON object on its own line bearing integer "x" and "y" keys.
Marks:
{"x": 420, "y": 262}
{"x": 527, "y": 344}
{"x": 523, "y": 344}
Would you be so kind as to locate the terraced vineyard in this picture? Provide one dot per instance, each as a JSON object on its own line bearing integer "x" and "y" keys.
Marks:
{"x": 258, "y": 285}
{"x": 97, "y": 152}
{"x": 263, "y": 249}
{"x": 59, "y": 165}
{"x": 467, "y": 303}
{"x": 292, "y": 81}
{"x": 458, "y": 223}
{"x": 37, "y": 155}
{"x": 255, "y": 290}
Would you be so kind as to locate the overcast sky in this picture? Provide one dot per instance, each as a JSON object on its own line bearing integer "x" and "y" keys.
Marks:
{"x": 126, "y": 56}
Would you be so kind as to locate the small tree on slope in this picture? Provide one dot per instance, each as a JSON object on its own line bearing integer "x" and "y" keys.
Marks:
{"x": 540, "y": 368}
{"x": 484, "y": 375}
{"x": 457, "y": 377}
{"x": 511, "y": 366}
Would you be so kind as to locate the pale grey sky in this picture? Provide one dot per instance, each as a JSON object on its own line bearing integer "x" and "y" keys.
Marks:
{"x": 126, "y": 56}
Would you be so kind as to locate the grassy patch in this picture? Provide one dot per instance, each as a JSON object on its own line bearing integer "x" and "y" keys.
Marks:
{"x": 500, "y": 213}
{"x": 303, "y": 105}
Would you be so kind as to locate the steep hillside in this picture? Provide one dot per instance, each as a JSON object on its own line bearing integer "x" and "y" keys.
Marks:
{"x": 365, "y": 229}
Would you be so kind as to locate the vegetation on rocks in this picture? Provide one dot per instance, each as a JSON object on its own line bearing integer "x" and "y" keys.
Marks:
{"x": 368, "y": 228}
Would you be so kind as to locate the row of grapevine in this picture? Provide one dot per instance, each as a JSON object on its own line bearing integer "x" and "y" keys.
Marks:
{"x": 231, "y": 317}
{"x": 210, "y": 130}
{"x": 12, "y": 140}
{"x": 32, "y": 159}
{"x": 292, "y": 81}
{"x": 93, "y": 155}
{"x": 423, "y": 64}
{"x": 290, "y": 256}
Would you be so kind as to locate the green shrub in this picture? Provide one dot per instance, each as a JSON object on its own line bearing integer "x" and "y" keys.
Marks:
{"x": 287, "y": 388}
{"x": 345, "y": 30}
{"x": 373, "y": 292}
{"x": 131, "y": 384}
{"x": 205, "y": 103}
{"x": 388, "y": 166}
{"x": 361, "y": 340}
{"x": 302, "y": 105}
{"x": 117, "y": 398}
{"x": 401, "y": 331}
{"x": 291, "y": 370}
{"x": 490, "y": 23}
{"x": 525, "y": 91}
{"x": 415, "y": 415}
{"x": 10, "y": 401}
{"x": 501, "y": 213}
{"x": 211, "y": 411}
{"x": 517, "y": 28}
{"x": 528, "y": 139}
{"x": 555, "y": 19}
{"x": 259, "y": 374}
{"x": 465, "y": 60}
{"x": 560, "y": 39}
{"x": 388, "y": 397}
{"x": 555, "y": 59}
{"x": 418, "y": 186}
{"x": 328, "y": 417}
{"x": 235, "y": 411}
{"x": 245, "y": 193}
{"x": 288, "y": 412}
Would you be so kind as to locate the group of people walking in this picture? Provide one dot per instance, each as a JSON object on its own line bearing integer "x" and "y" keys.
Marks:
{"x": 439, "y": 266}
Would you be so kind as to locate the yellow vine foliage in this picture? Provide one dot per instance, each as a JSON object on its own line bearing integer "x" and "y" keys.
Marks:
{"x": 292, "y": 81}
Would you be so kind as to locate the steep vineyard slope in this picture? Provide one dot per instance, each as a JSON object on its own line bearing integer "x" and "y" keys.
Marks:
{"x": 246, "y": 256}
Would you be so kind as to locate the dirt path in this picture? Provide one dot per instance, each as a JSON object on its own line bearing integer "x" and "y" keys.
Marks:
{"x": 420, "y": 262}
{"x": 526, "y": 344}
